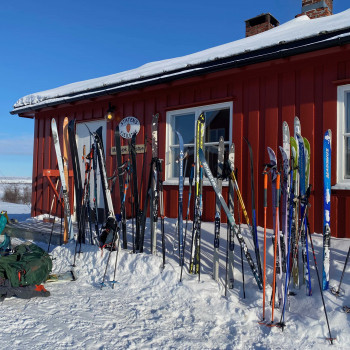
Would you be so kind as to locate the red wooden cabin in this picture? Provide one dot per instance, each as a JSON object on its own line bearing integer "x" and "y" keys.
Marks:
{"x": 248, "y": 88}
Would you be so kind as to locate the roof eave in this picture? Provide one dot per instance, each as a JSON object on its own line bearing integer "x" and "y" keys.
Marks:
{"x": 283, "y": 50}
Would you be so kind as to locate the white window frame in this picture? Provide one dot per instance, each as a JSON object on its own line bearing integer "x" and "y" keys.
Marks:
{"x": 342, "y": 182}
{"x": 169, "y": 131}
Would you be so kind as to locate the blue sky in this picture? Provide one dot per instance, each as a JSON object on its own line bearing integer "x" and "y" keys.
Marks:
{"x": 46, "y": 44}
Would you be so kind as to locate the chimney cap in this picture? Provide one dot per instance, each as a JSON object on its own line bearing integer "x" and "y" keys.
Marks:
{"x": 262, "y": 18}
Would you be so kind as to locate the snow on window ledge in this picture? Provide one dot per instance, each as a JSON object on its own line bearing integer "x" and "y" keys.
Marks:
{"x": 342, "y": 186}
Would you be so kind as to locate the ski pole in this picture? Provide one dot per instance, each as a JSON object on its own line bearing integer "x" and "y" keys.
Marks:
{"x": 275, "y": 247}
{"x": 227, "y": 258}
{"x": 265, "y": 213}
{"x": 245, "y": 214}
{"x": 239, "y": 230}
{"x": 118, "y": 217}
{"x": 230, "y": 244}
{"x": 116, "y": 233}
{"x": 319, "y": 282}
{"x": 334, "y": 291}
{"x": 161, "y": 210}
{"x": 187, "y": 216}
{"x": 52, "y": 203}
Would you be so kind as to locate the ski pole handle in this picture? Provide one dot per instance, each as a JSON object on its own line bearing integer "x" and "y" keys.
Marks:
{"x": 278, "y": 182}
{"x": 265, "y": 188}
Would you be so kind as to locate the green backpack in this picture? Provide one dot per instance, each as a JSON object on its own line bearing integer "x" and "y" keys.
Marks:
{"x": 28, "y": 265}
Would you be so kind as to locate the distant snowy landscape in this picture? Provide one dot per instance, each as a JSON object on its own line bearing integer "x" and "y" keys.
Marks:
{"x": 150, "y": 308}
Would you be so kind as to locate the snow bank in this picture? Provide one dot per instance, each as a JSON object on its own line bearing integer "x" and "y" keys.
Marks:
{"x": 150, "y": 308}
{"x": 298, "y": 28}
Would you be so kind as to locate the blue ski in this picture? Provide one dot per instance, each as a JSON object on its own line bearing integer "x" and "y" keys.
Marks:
{"x": 327, "y": 149}
{"x": 180, "y": 198}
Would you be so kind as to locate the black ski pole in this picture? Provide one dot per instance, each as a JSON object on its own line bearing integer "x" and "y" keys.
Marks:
{"x": 161, "y": 209}
{"x": 116, "y": 233}
{"x": 319, "y": 282}
{"x": 132, "y": 218}
{"x": 227, "y": 244}
{"x": 239, "y": 225}
{"x": 242, "y": 273}
{"x": 117, "y": 252}
{"x": 335, "y": 291}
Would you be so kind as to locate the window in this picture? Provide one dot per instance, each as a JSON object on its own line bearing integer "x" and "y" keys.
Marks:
{"x": 218, "y": 122}
{"x": 343, "y": 161}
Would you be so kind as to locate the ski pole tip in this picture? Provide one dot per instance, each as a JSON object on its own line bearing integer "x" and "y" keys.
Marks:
{"x": 331, "y": 340}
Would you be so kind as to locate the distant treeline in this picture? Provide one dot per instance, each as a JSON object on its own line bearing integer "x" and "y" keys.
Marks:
{"x": 16, "y": 193}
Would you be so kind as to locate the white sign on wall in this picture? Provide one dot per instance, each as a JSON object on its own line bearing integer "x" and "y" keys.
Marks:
{"x": 128, "y": 127}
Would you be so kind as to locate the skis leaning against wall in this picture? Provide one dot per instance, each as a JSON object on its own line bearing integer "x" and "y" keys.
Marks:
{"x": 327, "y": 149}
{"x": 230, "y": 218}
{"x": 218, "y": 210}
{"x": 121, "y": 184}
{"x": 196, "y": 231}
{"x": 180, "y": 198}
{"x": 230, "y": 232}
{"x": 154, "y": 185}
{"x": 110, "y": 227}
{"x": 78, "y": 187}
{"x": 63, "y": 178}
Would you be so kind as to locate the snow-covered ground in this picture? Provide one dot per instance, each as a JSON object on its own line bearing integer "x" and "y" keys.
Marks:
{"x": 150, "y": 308}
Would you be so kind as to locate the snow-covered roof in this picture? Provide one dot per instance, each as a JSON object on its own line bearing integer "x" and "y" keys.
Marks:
{"x": 297, "y": 29}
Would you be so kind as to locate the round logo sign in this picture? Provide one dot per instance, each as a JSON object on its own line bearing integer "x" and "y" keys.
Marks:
{"x": 128, "y": 127}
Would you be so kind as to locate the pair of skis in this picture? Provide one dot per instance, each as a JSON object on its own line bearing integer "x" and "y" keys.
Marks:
{"x": 154, "y": 195}
{"x": 198, "y": 187}
{"x": 229, "y": 217}
{"x": 63, "y": 170}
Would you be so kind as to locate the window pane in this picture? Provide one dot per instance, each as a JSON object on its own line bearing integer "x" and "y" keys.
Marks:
{"x": 211, "y": 154}
{"x": 347, "y": 117}
{"x": 347, "y": 157}
{"x": 217, "y": 123}
{"x": 187, "y": 162}
{"x": 184, "y": 124}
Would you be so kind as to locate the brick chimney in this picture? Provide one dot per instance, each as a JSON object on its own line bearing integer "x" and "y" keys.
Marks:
{"x": 317, "y": 8}
{"x": 260, "y": 24}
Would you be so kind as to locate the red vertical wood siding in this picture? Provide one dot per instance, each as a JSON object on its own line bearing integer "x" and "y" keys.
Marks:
{"x": 263, "y": 95}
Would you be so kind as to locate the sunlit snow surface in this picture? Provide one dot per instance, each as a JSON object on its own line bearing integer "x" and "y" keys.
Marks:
{"x": 149, "y": 308}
